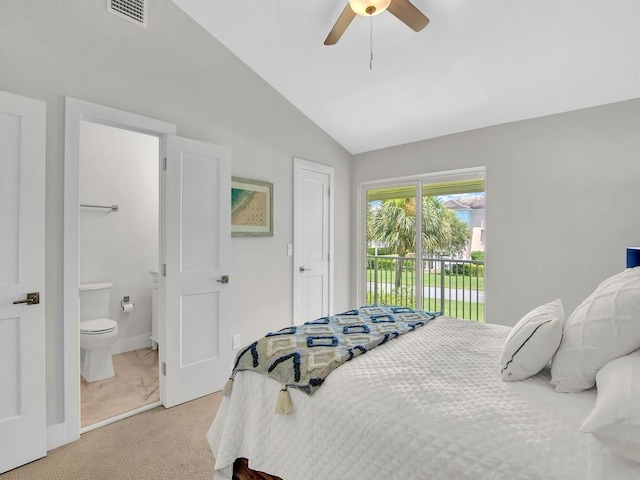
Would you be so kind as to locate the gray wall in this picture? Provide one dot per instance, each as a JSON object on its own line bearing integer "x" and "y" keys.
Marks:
{"x": 176, "y": 72}
{"x": 561, "y": 200}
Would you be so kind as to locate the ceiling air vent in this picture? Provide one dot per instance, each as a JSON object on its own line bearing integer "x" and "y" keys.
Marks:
{"x": 133, "y": 10}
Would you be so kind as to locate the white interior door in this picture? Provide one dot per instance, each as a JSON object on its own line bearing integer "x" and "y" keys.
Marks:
{"x": 196, "y": 339}
{"x": 23, "y": 430}
{"x": 312, "y": 240}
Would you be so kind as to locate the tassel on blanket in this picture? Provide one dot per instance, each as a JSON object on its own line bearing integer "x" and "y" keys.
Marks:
{"x": 283, "y": 404}
{"x": 228, "y": 388}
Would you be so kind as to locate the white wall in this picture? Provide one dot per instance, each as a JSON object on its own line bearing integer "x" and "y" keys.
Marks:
{"x": 120, "y": 167}
{"x": 561, "y": 200}
{"x": 176, "y": 72}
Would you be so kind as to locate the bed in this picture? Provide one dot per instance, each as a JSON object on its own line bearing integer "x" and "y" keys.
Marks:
{"x": 430, "y": 404}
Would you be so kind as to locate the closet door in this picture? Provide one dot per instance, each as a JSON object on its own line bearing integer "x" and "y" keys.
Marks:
{"x": 23, "y": 430}
{"x": 196, "y": 341}
{"x": 313, "y": 241}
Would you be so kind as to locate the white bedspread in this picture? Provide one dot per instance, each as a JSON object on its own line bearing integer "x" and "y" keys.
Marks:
{"x": 428, "y": 405}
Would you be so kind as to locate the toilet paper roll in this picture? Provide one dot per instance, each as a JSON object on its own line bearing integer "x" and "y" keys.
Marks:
{"x": 127, "y": 307}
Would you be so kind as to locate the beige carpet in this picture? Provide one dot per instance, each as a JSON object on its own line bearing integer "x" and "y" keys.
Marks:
{"x": 158, "y": 444}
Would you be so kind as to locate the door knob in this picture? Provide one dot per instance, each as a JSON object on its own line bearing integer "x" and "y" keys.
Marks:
{"x": 32, "y": 299}
{"x": 223, "y": 279}
{"x": 302, "y": 269}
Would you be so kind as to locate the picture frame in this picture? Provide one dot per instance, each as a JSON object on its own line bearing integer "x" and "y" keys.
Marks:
{"x": 251, "y": 208}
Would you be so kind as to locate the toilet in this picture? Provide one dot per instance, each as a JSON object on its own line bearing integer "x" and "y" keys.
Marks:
{"x": 97, "y": 331}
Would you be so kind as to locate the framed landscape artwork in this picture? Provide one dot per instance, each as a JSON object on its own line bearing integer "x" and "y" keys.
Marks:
{"x": 251, "y": 208}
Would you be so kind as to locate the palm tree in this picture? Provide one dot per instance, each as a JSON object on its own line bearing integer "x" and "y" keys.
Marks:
{"x": 394, "y": 224}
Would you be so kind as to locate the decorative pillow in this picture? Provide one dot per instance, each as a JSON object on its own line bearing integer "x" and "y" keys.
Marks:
{"x": 603, "y": 327}
{"x": 532, "y": 342}
{"x": 615, "y": 420}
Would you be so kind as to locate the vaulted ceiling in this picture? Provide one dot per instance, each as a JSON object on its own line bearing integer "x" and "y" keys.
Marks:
{"x": 477, "y": 63}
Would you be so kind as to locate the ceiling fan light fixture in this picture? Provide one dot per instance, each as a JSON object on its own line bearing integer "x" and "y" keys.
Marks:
{"x": 368, "y": 8}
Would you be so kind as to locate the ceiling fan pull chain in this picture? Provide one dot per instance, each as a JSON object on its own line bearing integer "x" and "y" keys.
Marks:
{"x": 371, "y": 42}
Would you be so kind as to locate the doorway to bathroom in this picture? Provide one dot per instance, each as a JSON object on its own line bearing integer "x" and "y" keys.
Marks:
{"x": 119, "y": 244}
{"x": 194, "y": 249}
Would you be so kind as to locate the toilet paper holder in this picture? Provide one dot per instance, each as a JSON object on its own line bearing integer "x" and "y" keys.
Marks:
{"x": 126, "y": 305}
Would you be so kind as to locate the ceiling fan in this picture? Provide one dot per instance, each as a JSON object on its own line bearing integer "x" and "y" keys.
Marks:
{"x": 404, "y": 10}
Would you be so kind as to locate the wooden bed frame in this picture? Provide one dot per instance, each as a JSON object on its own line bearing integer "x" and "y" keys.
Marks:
{"x": 241, "y": 471}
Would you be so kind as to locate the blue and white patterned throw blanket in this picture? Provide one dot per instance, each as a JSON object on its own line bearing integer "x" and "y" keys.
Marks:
{"x": 302, "y": 356}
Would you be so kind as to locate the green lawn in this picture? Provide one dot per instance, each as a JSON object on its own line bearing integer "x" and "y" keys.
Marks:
{"x": 429, "y": 279}
{"x": 452, "y": 308}
{"x": 458, "y": 309}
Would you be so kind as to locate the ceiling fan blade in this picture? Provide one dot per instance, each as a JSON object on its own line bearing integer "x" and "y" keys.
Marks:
{"x": 408, "y": 14}
{"x": 341, "y": 25}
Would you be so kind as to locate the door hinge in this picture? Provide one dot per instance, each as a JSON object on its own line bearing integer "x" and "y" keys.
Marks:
{"x": 164, "y": 164}
{"x": 164, "y": 369}
{"x": 164, "y": 269}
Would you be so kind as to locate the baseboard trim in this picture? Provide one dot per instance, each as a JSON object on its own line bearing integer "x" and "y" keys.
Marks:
{"x": 134, "y": 343}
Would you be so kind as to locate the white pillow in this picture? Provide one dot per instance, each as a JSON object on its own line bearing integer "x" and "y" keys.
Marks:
{"x": 603, "y": 327}
{"x": 532, "y": 342}
{"x": 615, "y": 420}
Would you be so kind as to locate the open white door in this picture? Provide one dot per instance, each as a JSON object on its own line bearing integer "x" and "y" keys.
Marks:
{"x": 312, "y": 213}
{"x": 23, "y": 429}
{"x": 196, "y": 339}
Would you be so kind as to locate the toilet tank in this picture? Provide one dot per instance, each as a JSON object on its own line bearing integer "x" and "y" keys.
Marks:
{"x": 94, "y": 300}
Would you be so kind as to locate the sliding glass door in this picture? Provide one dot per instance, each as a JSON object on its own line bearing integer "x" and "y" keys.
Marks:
{"x": 392, "y": 223}
{"x": 425, "y": 244}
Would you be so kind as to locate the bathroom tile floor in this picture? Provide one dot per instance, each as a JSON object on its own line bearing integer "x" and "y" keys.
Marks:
{"x": 135, "y": 384}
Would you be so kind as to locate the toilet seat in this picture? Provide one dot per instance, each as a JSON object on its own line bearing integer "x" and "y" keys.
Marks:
{"x": 98, "y": 326}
